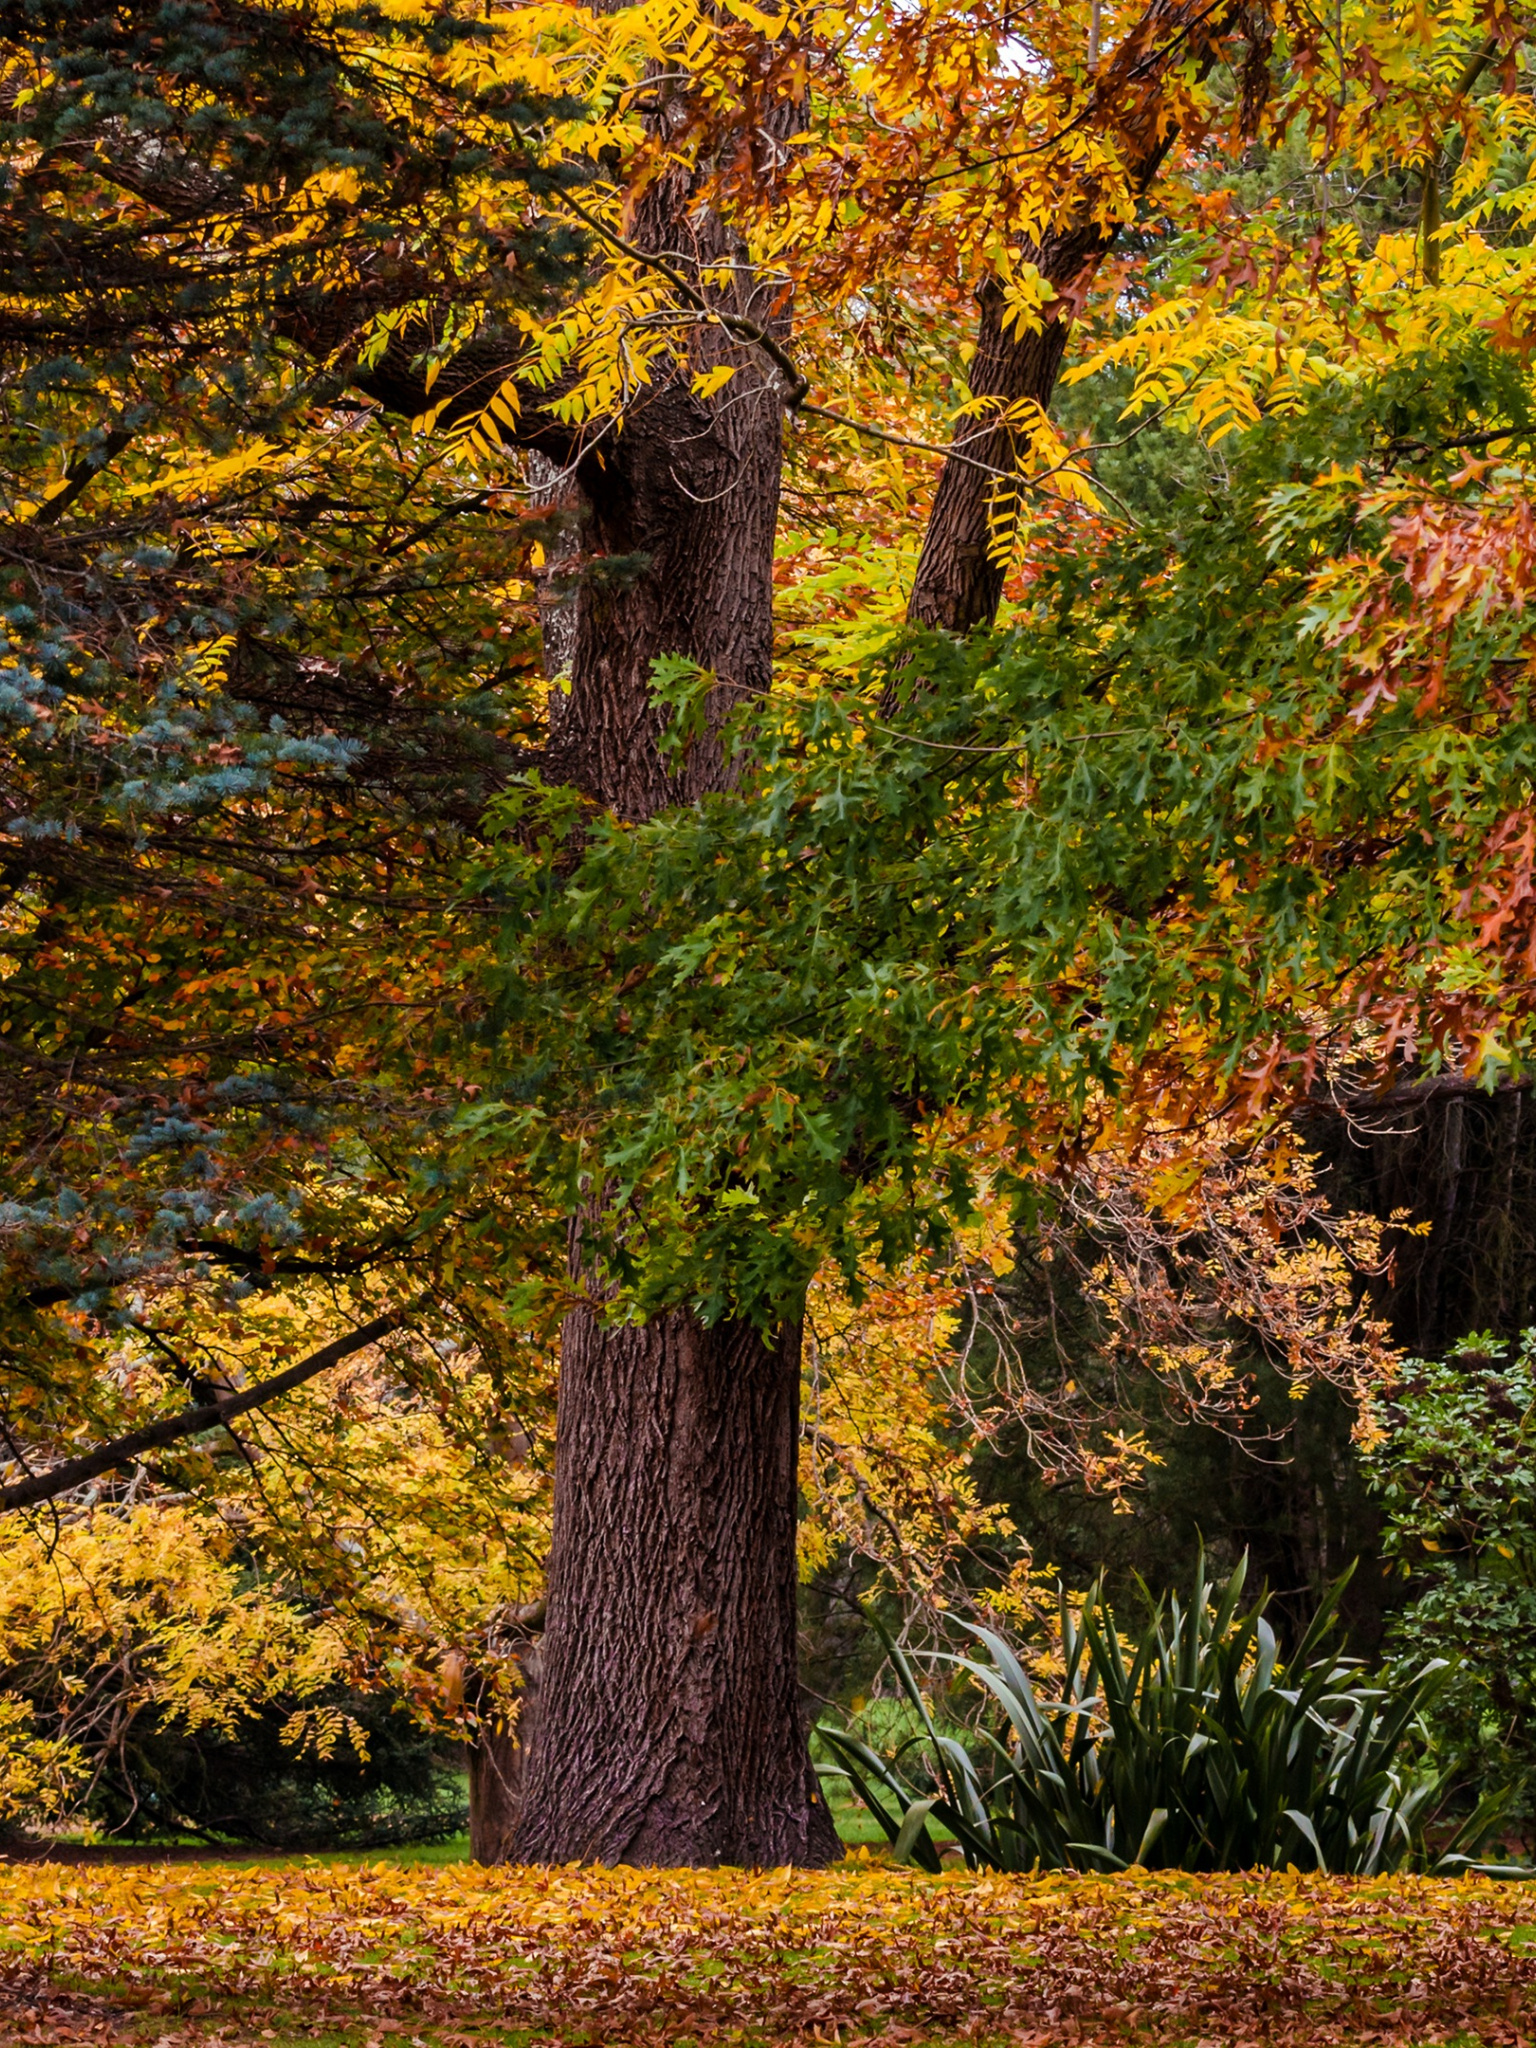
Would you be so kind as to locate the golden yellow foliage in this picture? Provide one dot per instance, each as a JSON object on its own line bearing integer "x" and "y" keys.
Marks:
{"x": 421, "y": 1525}
{"x": 40, "y": 1775}
{"x": 361, "y": 1536}
{"x": 117, "y": 1614}
{"x": 885, "y": 1479}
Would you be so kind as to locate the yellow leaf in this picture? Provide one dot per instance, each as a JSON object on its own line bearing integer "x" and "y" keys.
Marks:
{"x": 707, "y": 382}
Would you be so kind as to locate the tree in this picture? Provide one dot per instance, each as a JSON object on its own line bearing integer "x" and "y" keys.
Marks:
{"x": 669, "y": 1729}
{"x": 265, "y": 659}
{"x": 267, "y": 1635}
{"x": 667, "y": 1092}
{"x": 267, "y": 656}
{"x": 767, "y": 1109}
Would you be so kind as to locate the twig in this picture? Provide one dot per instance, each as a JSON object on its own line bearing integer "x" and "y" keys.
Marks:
{"x": 799, "y": 383}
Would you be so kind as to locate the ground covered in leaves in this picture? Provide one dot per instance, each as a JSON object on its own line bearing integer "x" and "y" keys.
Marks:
{"x": 174, "y": 1955}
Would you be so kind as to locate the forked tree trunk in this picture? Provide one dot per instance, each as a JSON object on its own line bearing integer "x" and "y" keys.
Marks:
{"x": 670, "y": 1727}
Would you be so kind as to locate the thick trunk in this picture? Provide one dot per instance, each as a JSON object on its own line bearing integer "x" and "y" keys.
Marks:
{"x": 693, "y": 496}
{"x": 672, "y": 1731}
{"x": 1465, "y": 1164}
{"x": 670, "y": 1727}
{"x": 681, "y": 511}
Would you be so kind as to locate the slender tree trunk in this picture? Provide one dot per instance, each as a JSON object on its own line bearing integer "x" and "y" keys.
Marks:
{"x": 960, "y": 573}
{"x": 495, "y": 1794}
{"x": 557, "y": 496}
{"x": 496, "y": 1762}
{"x": 670, "y": 1727}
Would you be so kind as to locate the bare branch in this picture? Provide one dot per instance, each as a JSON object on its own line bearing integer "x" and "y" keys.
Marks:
{"x": 124, "y": 1450}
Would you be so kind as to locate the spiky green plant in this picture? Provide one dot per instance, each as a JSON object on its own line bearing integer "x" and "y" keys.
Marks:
{"x": 1185, "y": 1745}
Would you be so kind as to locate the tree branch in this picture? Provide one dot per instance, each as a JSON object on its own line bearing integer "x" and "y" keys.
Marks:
{"x": 79, "y": 474}
{"x": 124, "y": 1450}
{"x": 962, "y": 569}
{"x": 749, "y": 330}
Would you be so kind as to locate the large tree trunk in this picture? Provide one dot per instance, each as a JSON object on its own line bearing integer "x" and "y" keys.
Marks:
{"x": 672, "y": 1732}
{"x": 1440, "y": 1151}
{"x": 670, "y": 1727}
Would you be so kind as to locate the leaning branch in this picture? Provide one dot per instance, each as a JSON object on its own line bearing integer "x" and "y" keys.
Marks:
{"x": 749, "y": 330}
{"x": 125, "y": 1450}
{"x": 79, "y": 475}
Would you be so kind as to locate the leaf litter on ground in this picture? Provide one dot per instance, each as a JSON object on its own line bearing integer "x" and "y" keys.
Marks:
{"x": 583, "y": 1958}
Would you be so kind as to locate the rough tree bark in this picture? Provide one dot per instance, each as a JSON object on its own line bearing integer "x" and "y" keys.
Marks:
{"x": 495, "y": 1793}
{"x": 672, "y": 1730}
{"x": 1439, "y": 1151}
{"x": 670, "y": 1727}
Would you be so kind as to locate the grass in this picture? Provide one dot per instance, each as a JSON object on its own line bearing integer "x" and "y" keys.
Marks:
{"x": 188, "y": 1848}
{"x": 856, "y": 1827}
{"x": 885, "y": 1724}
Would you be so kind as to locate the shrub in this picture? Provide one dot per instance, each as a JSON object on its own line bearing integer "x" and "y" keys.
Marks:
{"x": 1188, "y": 1745}
{"x": 1455, "y": 1469}
{"x": 385, "y": 1780}
{"x": 152, "y": 1681}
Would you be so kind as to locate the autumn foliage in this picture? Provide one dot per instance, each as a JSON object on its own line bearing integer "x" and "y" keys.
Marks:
{"x": 427, "y": 918}
{"x": 863, "y": 1954}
